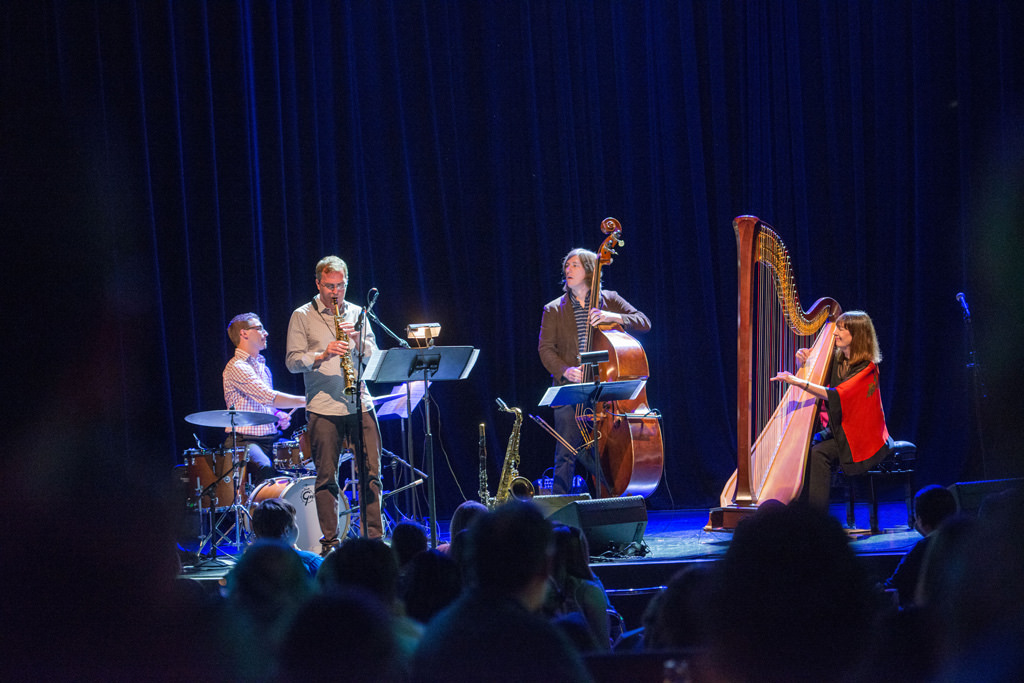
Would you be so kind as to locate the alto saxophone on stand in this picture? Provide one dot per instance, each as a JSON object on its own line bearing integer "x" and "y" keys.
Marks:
{"x": 511, "y": 485}
{"x": 346, "y": 359}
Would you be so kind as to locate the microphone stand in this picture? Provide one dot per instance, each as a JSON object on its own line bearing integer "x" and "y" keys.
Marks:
{"x": 362, "y": 455}
{"x": 408, "y": 432}
{"x": 978, "y": 383}
{"x": 373, "y": 317}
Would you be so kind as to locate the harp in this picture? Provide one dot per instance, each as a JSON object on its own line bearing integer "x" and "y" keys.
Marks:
{"x": 774, "y": 420}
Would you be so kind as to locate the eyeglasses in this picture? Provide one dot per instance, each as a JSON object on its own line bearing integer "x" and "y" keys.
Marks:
{"x": 258, "y": 328}
{"x": 332, "y": 287}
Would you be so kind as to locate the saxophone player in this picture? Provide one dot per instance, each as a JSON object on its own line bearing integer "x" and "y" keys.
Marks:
{"x": 322, "y": 341}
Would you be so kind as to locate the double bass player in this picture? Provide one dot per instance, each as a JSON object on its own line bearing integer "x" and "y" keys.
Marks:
{"x": 563, "y": 332}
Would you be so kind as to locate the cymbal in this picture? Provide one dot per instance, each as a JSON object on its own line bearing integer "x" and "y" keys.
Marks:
{"x": 222, "y": 418}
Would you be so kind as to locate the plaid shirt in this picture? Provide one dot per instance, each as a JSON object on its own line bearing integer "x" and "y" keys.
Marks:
{"x": 248, "y": 386}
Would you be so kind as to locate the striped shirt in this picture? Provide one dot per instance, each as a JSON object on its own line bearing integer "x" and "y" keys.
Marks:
{"x": 249, "y": 386}
{"x": 580, "y": 313}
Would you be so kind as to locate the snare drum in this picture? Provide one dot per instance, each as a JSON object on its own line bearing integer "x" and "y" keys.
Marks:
{"x": 288, "y": 455}
{"x": 209, "y": 475}
{"x": 301, "y": 494}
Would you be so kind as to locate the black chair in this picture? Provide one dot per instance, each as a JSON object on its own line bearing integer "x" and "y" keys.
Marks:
{"x": 899, "y": 463}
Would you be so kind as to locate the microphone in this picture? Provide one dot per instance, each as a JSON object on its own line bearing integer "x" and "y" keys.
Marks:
{"x": 371, "y": 296}
{"x": 963, "y": 304}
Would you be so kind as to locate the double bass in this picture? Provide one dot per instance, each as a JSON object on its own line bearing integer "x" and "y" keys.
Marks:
{"x": 630, "y": 448}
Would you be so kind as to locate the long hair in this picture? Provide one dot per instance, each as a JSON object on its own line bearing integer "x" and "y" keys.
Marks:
{"x": 864, "y": 345}
{"x": 588, "y": 260}
{"x": 572, "y": 552}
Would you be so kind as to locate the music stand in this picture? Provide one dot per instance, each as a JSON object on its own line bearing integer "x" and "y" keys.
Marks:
{"x": 592, "y": 393}
{"x": 437, "y": 364}
{"x": 398, "y": 405}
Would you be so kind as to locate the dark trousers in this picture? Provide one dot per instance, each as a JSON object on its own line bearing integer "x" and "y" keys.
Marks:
{"x": 259, "y": 453}
{"x": 819, "y": 473}
{"x": 328, "y": 436}
{"x": 565, "y": 459}
{"x": 822, "y": 460}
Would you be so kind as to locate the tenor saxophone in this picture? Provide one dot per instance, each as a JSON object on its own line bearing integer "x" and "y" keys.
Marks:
{"x": 346, "y": 359}
{"x": 511, "y": 485}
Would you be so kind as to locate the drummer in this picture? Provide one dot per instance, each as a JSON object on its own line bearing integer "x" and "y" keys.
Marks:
{"x": 248, "y": 386}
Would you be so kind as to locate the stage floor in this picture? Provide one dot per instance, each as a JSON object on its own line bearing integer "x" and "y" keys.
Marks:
{"x": 680, "y": 536}
{"x": 673, "y": 538}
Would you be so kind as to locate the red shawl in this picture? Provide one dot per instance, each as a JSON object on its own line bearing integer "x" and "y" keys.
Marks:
{"x": 856, "y": 416}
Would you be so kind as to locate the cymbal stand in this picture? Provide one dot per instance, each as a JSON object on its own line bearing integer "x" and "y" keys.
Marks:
{"x": 216, "y": 536}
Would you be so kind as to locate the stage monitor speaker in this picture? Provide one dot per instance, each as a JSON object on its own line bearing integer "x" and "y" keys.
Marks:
{"x": 551, "y": 504}
{"x": 970, "y": 494}
{"x": 609, "y": 523}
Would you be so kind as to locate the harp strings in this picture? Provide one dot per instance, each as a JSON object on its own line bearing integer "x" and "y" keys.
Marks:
{"x": 775, "y": 346}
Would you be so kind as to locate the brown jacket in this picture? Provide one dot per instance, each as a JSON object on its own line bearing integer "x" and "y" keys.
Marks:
{"x": 558, "y": 346}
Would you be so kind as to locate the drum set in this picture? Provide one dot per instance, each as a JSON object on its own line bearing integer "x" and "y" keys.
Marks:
{"x": 217, "y": 487}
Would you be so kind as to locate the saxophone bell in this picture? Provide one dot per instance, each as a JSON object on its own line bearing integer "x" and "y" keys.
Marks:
{"x": 522, "y": 489}
{"x": 511, "y": 486}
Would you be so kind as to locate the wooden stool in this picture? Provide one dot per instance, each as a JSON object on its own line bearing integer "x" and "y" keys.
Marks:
{"x": 899, "y": 463}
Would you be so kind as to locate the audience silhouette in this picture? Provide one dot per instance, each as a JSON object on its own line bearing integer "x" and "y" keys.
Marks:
{"x": 576, "y": 597}
{"x": 370, "y": 565}
{"x": 408, "y": 539}
{"x": 431, "y": 582}
{"x": 264, "y": 591}
{"x": 676, "y": 617}
{"x": 342, "y": 634}
{"x": 493, "y": 632}
{"x": 932, "y": 506}
{"x": 790, "y": 601}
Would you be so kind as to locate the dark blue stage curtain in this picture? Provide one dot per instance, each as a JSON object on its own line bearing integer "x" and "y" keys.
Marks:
{"x": 168, "y": 165}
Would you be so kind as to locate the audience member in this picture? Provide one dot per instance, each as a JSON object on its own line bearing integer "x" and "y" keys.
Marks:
{"x": 462, "y": 519}
{"x": 790, "y": 602}
{"x": 970, "y": 585}
{"x": 341, "y": 635}
{"x": 676, "y": 617}
{"x": 575, "y": 590}
{"x": 408, "y": 539}
{"x": 932, "y": 506}
{"x": 108, "y": 605}
{"x": 432, "y": 581}
{"x": 492, "y": 632}
{"x": 274, "y": 520}
{"x": 369, "y": 564}
{"x": 264, "y": 591}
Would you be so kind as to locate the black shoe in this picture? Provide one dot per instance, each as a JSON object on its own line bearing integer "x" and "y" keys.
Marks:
{"x": 327, "y": 546}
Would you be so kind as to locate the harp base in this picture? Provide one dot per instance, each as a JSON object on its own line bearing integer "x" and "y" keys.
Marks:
{"x": 726, "y": 518}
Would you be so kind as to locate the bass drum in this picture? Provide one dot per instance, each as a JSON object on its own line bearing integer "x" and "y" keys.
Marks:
{"x": 300, "y": 493}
